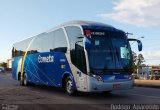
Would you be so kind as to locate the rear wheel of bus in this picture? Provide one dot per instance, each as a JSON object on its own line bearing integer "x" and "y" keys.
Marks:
{"x": 23, "y": 80}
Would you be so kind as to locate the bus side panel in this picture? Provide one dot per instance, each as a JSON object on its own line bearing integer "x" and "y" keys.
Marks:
{"x": 46, "y": 68}
{"x": 16, "y": 67}
{"x": 31, "y": 69}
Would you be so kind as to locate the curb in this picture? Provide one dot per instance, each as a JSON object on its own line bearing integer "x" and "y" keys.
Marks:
{"x": 147, "y": 83}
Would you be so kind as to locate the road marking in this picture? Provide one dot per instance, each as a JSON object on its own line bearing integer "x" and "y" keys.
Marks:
{"x": 145, "y": 96}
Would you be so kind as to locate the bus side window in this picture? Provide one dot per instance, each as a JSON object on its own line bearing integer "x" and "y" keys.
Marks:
{"x": 60, "y": 41}
{"x": 20, "y": 48}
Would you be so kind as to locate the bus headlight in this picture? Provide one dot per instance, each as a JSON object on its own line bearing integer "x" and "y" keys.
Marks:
{"x": 131, "y": 77}
{"x": 98, "y": 77}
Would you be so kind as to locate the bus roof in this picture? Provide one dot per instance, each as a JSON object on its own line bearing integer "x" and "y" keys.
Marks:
{"x": 81, "y": 23}
{"x": 78, "y": 23}
{"x": 87, "y": 23}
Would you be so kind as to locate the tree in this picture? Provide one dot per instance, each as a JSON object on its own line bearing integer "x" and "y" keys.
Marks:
{"x": 138, "y": 61}
{"x": 3, "y": 64}
{"x": 134, "y": 57}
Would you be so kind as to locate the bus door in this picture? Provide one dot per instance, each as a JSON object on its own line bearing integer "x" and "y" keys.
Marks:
{"x": 81, "y": 65}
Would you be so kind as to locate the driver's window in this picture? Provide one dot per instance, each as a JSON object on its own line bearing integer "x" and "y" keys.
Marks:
{"x": 80, "y": 57}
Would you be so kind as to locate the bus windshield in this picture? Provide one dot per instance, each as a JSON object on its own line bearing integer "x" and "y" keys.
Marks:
{"x": 109, "y": 52}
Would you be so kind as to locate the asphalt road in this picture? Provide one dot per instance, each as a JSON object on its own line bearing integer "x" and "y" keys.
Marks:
{"x": 45, "y": 98}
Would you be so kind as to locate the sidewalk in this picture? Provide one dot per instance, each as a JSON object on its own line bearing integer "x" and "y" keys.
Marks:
{"x": 147, "y": 83}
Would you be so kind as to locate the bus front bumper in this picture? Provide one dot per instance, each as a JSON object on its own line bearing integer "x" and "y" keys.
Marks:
{"x": 98, "y": 86}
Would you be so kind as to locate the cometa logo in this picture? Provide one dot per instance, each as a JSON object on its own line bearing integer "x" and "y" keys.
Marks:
{"x": 45, "y": 59}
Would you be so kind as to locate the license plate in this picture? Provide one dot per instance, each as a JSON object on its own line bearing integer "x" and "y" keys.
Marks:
{"x": 115, "y": 86}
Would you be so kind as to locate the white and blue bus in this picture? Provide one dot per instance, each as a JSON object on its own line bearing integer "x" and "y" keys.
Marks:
{"x": 77, "y": 56}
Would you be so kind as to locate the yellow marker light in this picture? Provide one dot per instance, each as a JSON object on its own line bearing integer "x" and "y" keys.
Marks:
{"x": 63, "y": 66}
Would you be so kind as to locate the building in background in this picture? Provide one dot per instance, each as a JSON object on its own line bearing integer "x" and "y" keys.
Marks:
{"x": 144, "y": 72}
{"x": 155, "y": 73}
{"x": 6, "y": 66}
{"x": 9, "y": 63}
{"x": 149, "y": 72}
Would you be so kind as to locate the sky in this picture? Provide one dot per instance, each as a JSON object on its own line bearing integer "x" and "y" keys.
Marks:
{"x": 20, "y": 19}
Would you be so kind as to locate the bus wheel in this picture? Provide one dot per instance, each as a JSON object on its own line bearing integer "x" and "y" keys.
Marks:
{"x": 23, "y": 80}
{"x": 69, "y": 86}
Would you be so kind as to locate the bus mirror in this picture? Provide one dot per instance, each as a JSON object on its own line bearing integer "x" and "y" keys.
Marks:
{"x": 60, "y": 49}
{"x": 139, "y": 43}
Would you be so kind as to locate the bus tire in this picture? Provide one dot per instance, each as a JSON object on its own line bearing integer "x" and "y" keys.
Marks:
{"x": 23, "y": 80}
{"x": 69, "y": 87}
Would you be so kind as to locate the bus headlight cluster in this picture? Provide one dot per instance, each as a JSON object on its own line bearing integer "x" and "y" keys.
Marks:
{"x": 99, "y": 78}
{"x": 131, "y": 77}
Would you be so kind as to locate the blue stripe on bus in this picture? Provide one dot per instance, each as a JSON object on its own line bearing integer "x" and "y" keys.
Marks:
{"x": 41, "y": 70}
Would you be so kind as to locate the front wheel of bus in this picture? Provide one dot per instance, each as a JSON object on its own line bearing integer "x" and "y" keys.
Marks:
{"x": 69, "y": 87}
